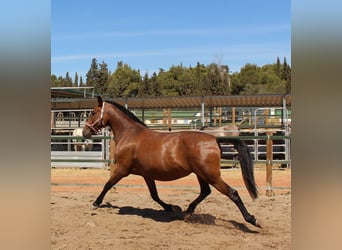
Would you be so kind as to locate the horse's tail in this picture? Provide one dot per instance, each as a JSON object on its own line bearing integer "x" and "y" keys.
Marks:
{"x": 246, "y": 162}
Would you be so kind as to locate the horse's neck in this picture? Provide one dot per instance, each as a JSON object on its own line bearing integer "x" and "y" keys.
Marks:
{"x": 121, "y": 124}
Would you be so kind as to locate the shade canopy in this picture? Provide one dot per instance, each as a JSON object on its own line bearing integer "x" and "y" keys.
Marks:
{"x": 275, "y": 100}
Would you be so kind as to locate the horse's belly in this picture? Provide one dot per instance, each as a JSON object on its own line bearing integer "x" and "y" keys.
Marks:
{"x": 162, "y": 173}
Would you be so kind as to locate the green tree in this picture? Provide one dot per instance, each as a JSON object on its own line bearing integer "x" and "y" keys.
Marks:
{"x": 53, "y": 81}
{"x": 200, "y": 75}
{"x": 183, "y": 80}
{"x": 58, "y": 81}
{"x": 213, "y": 79}
{"x": 92, "y": 74}
{"x": 246, "y": 81}
{"x": 81, "y": 82}
{"x": 144, "y": 87}
{"x": 155, "y": 86}
{"x": 167, "y": 82}
{"x": 75, "y": 84}
{"x": 278, "y": 67}
{"x": 124, "y": 81}
{"x": 68, "y": 80}
{"x": 286, "y": 76}
{"x": 259, "y": 80}
{"x": 101, "y": 84}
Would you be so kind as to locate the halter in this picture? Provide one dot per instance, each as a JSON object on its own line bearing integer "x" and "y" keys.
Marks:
{"x": 91, "y": 126}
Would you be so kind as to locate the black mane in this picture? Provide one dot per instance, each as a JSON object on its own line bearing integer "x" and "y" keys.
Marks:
{"x": 127, "y": 112}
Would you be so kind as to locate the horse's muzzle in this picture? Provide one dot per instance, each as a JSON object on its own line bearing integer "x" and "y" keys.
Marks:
{"x": 86, "y": 132}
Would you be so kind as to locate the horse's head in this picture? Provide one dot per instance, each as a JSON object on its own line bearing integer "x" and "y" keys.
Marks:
{"x": 96, "y": 120}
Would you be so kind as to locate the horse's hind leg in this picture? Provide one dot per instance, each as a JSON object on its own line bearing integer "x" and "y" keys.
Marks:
{"x": 224, "y": 188}
{"x": 205, "y": 191}
{"x": 154, "y": 194}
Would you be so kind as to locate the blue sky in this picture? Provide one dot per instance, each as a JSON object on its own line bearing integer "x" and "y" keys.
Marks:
{"x": 148, "y": 35}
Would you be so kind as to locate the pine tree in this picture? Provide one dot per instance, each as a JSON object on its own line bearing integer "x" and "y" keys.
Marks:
{"x": 214, "y": 83}
{"x": 144, "y": 86}
{"x": 92, "y": 75}
{"x": 286, "y": 76}
{"x": 278, "y": 68}
{"x": 81, "y": 82}
{"x": 101, "y": 84}
{"x": 53, "y": 81}
{"x": 285, "y": 72}
{"x": 68, "y": 80}
{"x": 75, "y": 84}
{"x": 155, "y": 86}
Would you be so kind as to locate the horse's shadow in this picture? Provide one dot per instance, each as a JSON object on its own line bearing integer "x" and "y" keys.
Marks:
{"x": 156, "y": 215}
{"x": 166, "y": 216}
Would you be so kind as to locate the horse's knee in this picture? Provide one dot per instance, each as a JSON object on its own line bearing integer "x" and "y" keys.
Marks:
{"x": 206, "y": 192}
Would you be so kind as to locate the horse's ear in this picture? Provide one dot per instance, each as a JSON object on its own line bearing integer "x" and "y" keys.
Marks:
{"x": 99, "y": 100}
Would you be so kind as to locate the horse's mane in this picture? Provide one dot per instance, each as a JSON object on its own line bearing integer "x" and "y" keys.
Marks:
{"x": 127, "y": 112}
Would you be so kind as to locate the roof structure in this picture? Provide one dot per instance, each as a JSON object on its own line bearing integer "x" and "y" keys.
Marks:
{"x": 274, "y": 100}
{"x": 72, "y": 92}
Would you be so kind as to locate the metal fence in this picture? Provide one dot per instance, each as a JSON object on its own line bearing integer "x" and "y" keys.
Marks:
{"x": 263, "y": 125}
{"x": 64, "y": 155}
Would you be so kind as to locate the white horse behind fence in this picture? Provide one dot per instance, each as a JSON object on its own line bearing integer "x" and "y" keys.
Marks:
{"x": 226, "y": 130}
{"x": 81, "y": 144}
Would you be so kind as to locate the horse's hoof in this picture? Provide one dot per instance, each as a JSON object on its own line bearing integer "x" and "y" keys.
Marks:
{"x": 187, "y": 217}
{"x": 95, "y": 206}
{"x": 258, "y": 223}
{"x": 176, "y": 209}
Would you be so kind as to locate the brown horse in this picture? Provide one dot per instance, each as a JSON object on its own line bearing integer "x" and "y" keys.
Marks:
{"x": 167, "y": 156}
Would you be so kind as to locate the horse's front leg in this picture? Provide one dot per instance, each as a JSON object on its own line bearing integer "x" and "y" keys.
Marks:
{"x": 115, "y": 177}
{"x": 154, "y": 194}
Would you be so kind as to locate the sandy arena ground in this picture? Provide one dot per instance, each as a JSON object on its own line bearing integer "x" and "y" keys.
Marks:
{"x": 130, "y": 219}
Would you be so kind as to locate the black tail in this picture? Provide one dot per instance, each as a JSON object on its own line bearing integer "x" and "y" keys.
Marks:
{"x": 246, "y": 162}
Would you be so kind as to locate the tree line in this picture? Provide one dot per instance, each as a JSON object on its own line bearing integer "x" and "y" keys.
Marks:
{"x": 212, "y": 79}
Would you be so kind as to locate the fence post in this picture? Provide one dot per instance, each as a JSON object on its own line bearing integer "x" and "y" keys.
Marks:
{"x": 169, "y": 119}
{"x": 233, "y": 115}
{"x": 269, "y": 158}
{"x": 164, "y": 117}
{"x": 220, "y": 116}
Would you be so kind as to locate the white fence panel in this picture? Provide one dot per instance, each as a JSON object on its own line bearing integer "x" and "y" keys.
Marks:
{"x": 80, "y": 159}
